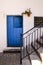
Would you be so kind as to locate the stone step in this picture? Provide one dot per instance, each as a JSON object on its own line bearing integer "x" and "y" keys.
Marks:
{"x": 12, "y": 51}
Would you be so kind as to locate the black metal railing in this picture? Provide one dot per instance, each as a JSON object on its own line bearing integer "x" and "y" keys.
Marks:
{"x": 30, "y": 37}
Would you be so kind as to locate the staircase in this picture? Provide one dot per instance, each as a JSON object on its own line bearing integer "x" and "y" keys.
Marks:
{"x": 33, "y": 45}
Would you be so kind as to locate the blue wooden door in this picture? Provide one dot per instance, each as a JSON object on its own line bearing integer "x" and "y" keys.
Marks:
{"x": 14, "y": 29}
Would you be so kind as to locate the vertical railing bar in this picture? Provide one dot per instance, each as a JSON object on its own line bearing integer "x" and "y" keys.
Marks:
{"x": 26, "y": 43}
{"x": 29, "y": 43}
{"x": 27, "y": 51}
{"x": 40, "y": 34}
{"x": 40, "y": 31}
{"x": 26, "y": 47}
{"x": 32, "y": 37}
{"x": 32, "y": 40}
{"x": 37, "y": 38}
{"x": 21, "y": 48}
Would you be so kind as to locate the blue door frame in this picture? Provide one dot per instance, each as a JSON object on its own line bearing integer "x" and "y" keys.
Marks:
{"x": 14, "y": 29}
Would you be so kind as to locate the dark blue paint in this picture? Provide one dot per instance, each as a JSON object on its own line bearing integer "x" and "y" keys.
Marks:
{"x": 17, "y": 22}
{"x": 14, "y": 29}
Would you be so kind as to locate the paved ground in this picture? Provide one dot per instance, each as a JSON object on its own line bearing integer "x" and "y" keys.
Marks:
{"x": 9, "y": 59}
{"x": 14, "y": 59}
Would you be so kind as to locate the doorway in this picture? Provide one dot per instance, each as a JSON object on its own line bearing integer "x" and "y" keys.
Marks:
{"x": 14, "y": 30}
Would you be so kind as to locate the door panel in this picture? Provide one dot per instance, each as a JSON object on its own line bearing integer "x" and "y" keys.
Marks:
{"x": 17, "y": 32}
{"x": 14, "y": 29}
{"x": 9, "y": 30}
{"x": 17, "y": 22}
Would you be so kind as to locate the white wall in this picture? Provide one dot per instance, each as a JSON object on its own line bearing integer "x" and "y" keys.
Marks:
{"x": 16, "y": 7}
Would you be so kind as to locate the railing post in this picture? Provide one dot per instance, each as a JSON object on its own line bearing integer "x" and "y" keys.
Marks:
{"x": 40, "y": 31}
{"x": 32, "y": 42}
{"x": 28, "y": 52}
{"x": 34, "y": 37}
{"x": 26, "y": 43}
{"x": 21, "y": 43}
{"x": 29, "y": 43}
{"x": 37, "y": 37}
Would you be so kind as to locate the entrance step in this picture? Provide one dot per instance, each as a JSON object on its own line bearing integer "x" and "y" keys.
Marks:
{"x": 12, "y": 51}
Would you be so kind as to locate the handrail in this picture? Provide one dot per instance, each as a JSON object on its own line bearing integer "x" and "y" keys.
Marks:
{"x": 31, "y": 39}
{"x": 31, "y": 29}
